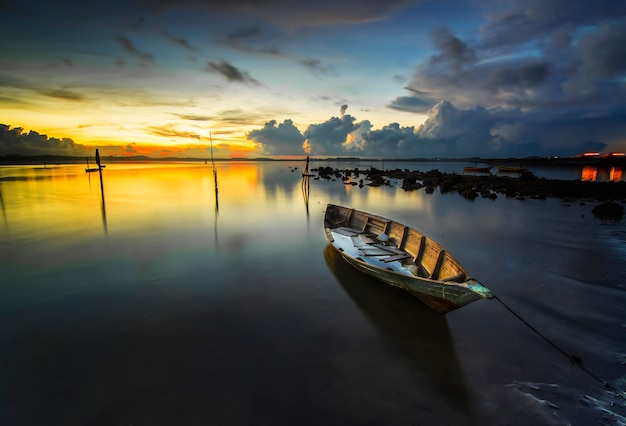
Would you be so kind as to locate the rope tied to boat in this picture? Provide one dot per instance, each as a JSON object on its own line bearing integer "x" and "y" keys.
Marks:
{"x": 574, "y": 359}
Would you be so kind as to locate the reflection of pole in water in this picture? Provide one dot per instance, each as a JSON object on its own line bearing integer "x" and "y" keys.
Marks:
{"x": 306, "y": 174}
{"x": 104, "y": 212}
{"x": 305, "y": 192}
{"x": 217, "y": 201}
{"x": 217, "y": 208}
{"x": 4, "y": 212}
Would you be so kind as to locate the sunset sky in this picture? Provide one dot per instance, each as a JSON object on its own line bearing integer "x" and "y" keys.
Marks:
{"x": 368, "y": 78}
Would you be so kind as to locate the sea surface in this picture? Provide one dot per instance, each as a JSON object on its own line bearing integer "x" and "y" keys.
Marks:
{"x": 156, "y": 297}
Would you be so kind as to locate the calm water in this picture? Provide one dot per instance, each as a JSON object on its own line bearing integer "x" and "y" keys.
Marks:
{"x": 169, "y": 304}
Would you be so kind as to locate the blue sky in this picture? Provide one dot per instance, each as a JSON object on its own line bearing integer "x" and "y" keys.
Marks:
{"x": 362, "y": 78}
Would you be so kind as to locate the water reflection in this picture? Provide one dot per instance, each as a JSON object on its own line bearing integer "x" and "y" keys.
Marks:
{"x": 615, "y": 175}
{"x": 217, "y": 200}
{"x": 590, "y": 173}
{"x": 306, "y": 188}
{"x": 217, "y": 204}
{"x": 419, "y": 333}
{"x": 103, "y": 205}
{"x": 4, "y": 212}
{"x": 103, "y": 209}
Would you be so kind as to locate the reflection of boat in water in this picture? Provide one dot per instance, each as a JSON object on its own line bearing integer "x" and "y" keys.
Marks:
{"x": 418, "y": 333}
{"x": 510, "y": 169}
{"x": 403, "y": 257}
{"x": 477, "y": 169}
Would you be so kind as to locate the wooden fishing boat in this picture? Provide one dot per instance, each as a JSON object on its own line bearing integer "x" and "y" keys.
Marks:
{"x": 403, "y": 257}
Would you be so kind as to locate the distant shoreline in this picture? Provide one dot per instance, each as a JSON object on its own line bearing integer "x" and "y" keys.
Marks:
{"x": 524, "y": 162}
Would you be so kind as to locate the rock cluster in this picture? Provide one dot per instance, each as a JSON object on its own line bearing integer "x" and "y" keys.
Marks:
{"x": 471, "y": 187}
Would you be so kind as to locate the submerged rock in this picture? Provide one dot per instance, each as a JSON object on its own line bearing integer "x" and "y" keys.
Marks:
{"x": 608, "y": 210}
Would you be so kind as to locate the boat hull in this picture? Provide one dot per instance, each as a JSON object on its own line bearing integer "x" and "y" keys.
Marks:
{"x": 444, "y": 285}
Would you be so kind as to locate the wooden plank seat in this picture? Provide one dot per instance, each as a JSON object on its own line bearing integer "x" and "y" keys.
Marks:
{"x": 348, "y": 232}
{"x": 396, "y": 257}
{"x": 373, "y": 251}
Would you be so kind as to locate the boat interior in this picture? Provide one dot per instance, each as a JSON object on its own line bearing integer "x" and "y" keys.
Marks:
{"x": 388, "y": 241}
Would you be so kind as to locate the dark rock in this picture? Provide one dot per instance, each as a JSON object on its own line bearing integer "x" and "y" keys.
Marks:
{"x": 527, "y": 175}
{"x": 608, "y": 210}
{"x": 469, "y": 193}
{"x": 527, "y": 185}
{"x": 410, "y": 183}
{"x": 376, "y": 180}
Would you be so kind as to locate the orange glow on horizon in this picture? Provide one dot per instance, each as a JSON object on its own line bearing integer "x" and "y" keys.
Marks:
{"x": 221, "y": 151}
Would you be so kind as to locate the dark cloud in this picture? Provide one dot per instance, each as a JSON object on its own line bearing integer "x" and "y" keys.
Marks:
{"x": 399, "y": 78}
{"x": 317, "y": 67}
{"x": 393, "y": 141}
{"x": 240, "y": 117}
{"x": 64, "y": 94}
{"x": 143, "y": 57}
{"x": 130, "y": 149}
{"x": 16, "y": 141}
{"x": 170, "y": 131}
{"x": 412, "y": 104}
{"x": 300, "y": 14}
{"x": 278, "y": 139}
{"x": 532, "y": 72}
{"x": 132, "y": 14}
{"x": 539, "y": 54}
{"x": 328, "y": 137}
{"x": 11, "y": 82}
{"x": 248, "y": 40}
{"x": 193, "y": 117}
{"x": 544, "y": 20}
{"x": 602, "y": 51}
{"x": 180, "y": 41}
{"x": 231, "y": 73}
{"x": 255, "y": 40}
{"x": 449, "y": 132}
{"x": 453, "y": 52}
